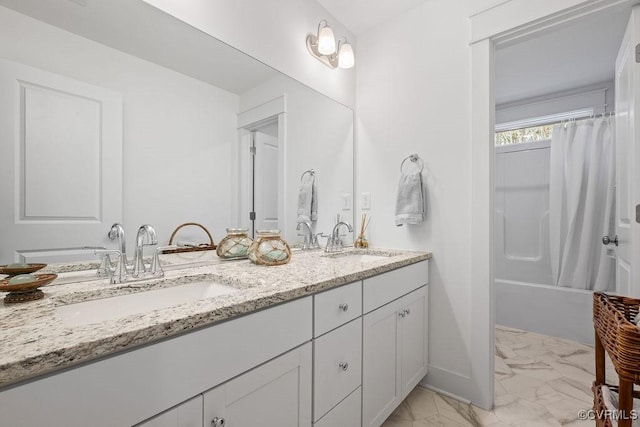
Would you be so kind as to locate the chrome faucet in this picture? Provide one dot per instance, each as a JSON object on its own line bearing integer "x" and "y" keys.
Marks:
{"x": 333, "y": 242}
{"x": 117, "y": 233}
{"x": 146, "y": 237}
{"x": 310, "y": 240}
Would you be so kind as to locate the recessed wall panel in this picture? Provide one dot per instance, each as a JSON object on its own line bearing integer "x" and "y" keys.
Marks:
{"x": 61, "y": 155}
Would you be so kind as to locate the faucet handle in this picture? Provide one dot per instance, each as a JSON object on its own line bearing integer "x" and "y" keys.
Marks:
{"x": 156, "y": 266}
{"x": 105, "y": 269}
{"x": 117, "y": 274}
{"x": 314, "y": 241}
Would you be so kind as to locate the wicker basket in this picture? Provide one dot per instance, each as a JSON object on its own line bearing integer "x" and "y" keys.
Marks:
{"x": 616, "y": 335}
{"x": 612, "y": 320}
{"x": 603, "y": 418}
{"x": 202, "y": 247}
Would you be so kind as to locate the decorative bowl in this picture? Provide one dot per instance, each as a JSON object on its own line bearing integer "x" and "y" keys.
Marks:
{"x": 13, "y": 271}
{"x": 23, "y": 292}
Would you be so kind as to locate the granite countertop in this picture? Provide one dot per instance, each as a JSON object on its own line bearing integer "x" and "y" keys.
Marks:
{"x": 34, "y": 340}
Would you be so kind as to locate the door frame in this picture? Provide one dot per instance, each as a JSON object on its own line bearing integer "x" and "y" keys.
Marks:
{"x": 508, "y": 22}
{"x": 249, "y": 121}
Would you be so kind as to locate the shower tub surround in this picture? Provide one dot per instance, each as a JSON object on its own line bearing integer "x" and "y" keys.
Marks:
{"x": 35, "y": 341}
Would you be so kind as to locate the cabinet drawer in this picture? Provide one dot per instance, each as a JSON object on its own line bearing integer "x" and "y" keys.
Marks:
{"x": 384, "y": 288}
{"x": 188, "y": 414}
{"x": 346, "y": 414}
{"x": 337, "y": 366}
{"x": 336, "y": 307}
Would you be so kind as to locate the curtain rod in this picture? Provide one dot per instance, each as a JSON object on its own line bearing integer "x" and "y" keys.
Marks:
{"x": 552, "y": 119}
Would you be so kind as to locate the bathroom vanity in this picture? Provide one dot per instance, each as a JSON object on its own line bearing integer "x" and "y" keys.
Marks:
{"x": 326, "y": 340}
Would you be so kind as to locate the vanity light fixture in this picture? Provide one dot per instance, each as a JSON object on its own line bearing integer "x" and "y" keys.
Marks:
{"x": 323, "y": 47}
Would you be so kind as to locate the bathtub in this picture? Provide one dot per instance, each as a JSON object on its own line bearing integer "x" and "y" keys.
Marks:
{"x": 524, "y": 295}
{"x": 549, "y": 310}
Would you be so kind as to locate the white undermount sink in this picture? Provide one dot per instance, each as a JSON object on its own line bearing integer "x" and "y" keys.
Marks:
{"x": 359, "y": 256}
{"x": 100, "y": 310}
{"x": 366, "y": 257}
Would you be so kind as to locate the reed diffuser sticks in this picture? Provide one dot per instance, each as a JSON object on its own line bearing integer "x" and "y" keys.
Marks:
{"x": 361, "y": 241}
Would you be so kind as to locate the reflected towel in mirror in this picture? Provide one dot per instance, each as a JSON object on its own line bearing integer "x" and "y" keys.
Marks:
{"x": 308, "y": 199}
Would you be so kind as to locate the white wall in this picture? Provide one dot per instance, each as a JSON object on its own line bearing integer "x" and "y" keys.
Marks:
{"x": 273, "y": 32}
{"x": 167, "y": 118}
{"x": 413, "y": 95}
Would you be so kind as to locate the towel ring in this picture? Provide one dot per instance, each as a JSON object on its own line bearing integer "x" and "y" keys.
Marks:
{"x": 414, "y": 159}
{"x": 310, "y": 172}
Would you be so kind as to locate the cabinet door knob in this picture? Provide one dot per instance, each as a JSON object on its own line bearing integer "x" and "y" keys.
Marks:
{"x": 344, "y": 366}
{"x": 402, "y": 314}
{"x": 217, "y": 422}
{"x": 344, "y": 307}
{"x": 408, "y": 311}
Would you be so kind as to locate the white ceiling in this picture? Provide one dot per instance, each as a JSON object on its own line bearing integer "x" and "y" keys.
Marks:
{"x": 579, "y": 54}
{"x": 361, "y": 15}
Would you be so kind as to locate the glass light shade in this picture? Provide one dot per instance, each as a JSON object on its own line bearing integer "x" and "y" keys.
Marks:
{"x": 326, "y": 41}
{"x": 345, "y": 56}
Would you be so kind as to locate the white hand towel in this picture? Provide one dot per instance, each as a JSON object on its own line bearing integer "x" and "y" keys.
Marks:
{"x": 314, "y": 200}
{"x": 410, "y": 204}
{"x": 308, "y": 199}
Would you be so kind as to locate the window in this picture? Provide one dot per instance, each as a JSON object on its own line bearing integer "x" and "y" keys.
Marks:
{"x": 518, "y": 136}
{"x": 535, "y": 129}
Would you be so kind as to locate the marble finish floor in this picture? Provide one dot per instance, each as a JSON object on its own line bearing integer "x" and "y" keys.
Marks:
{"x": 539, "y": 381}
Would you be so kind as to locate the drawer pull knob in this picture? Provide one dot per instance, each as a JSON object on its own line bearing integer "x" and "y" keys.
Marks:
{"x": 344, "y": 366}
{"x": 344, "y": 307}
{"x": 218, "y": 422}
{"x": 402, "y": 314}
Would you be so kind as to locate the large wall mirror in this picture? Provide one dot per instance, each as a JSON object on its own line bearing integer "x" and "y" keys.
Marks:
{"x": 113, "y": 111}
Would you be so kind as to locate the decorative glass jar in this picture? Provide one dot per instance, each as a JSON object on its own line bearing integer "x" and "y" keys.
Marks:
{"x": 235, "y": 244}
{"x": 269, "y": 249}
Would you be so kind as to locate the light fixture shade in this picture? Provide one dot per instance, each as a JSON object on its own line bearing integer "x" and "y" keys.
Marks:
{"x": 326, "y": 41}
{"x": 345, "y": 56}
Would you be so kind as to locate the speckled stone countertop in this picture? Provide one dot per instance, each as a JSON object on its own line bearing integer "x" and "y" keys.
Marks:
{"x": 34, "y": 340}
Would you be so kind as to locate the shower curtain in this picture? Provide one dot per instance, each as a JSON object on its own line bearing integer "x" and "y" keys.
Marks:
{"x": 581, "y": 203}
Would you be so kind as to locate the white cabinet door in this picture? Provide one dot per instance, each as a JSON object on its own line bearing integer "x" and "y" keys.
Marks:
{"x": 381, "y": 385}
{"x": 188, "y": 414}
{"x": 394, "y": 354}
{"x": 414, "y": 349}
{"x": 275, "y": 394}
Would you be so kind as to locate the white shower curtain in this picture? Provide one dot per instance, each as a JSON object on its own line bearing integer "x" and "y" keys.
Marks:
{"x": 581, "y": 192}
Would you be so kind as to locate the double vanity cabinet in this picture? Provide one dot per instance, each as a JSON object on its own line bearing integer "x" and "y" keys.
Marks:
{"x": 346, "y": 356}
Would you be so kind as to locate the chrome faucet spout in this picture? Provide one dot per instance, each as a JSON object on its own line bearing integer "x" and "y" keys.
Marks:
{"x": 117, "y": 233}
{"x": 333, "y": 242}
{"x": 308, "y": 236}
{"x": 146, "y": 237}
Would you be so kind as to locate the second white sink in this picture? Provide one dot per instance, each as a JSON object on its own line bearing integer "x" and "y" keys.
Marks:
{"x": 359, "y": 256}
{"x": 100, "y": 310}
{"x": 366, "y": 257}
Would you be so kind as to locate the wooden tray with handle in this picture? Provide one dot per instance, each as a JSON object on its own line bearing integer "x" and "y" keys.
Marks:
{"x": 200, "y": 247}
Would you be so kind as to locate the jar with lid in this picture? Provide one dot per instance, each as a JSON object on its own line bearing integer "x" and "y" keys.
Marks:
{"x": 269, "y": 248}
{"x": 235, "y": 244}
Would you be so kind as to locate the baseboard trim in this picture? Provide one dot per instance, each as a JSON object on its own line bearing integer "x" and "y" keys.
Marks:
{"x": 447, "y": 383}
